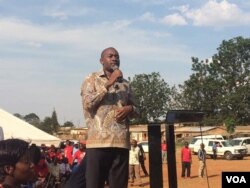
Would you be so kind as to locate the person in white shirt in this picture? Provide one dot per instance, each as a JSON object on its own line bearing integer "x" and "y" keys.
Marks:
{"x": 134, "y": 164}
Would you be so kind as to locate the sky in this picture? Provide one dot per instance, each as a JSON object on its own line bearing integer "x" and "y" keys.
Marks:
{"x": 47, "y": 47}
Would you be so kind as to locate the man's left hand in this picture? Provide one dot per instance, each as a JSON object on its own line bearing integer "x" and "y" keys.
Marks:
{"x": 123, "y": 112}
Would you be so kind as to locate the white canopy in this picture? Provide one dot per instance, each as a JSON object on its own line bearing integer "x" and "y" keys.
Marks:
{"x": 13, "y": 127}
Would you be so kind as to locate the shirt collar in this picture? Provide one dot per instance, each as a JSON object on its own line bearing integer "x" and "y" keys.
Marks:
{"x": 101, "y": 73}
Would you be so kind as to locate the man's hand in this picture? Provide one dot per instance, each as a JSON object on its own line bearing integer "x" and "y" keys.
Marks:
{"x": 113, "y": 77}
{"x": 123, "y": 112}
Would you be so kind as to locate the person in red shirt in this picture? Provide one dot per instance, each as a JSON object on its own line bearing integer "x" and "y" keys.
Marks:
{"x": 52, "y": 152}
{"x": 68, "y": 151}
{"x": 79, "y": 154}
{"x": 42, "y": 171}
{"x": 186, "y": 159}
{"x": 59, "y": 154}
{"x": 164, "y": 151}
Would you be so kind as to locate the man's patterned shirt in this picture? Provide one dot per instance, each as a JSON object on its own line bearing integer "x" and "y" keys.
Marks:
{"x": 99, "y": 106}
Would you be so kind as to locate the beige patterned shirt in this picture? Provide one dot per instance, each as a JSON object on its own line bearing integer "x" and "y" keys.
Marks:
{"x": 99, "y": 106}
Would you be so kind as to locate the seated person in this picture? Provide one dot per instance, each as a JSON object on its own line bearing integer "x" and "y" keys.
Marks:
{"x": 42, "y": 172}
{"x": 64, "y": 170}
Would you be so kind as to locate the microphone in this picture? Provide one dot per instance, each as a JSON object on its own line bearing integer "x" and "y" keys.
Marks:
{"x": 119, "y": 79}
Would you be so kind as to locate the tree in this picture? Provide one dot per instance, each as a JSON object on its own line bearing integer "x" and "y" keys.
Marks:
{"x": 233, "y": 69}
{"x": 33, "y": 119}
{"x": 221, "y": 86}
{"x": 202, "y": 92}
{"x": 18, "y": 115}
{"x": 230, "y": 125}
{"x": 46, "y": 125}
{"x": 68, "y": 124}
{"x": 54, "y": 121}
{"x": 152, "y": 94}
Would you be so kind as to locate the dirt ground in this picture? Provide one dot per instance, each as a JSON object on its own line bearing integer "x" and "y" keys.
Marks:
{"x": 214, "y": 171}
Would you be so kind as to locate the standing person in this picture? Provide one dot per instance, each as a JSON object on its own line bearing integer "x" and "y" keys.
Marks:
{"x": 186, "y": 159}
{"x": 202, "y": 160}
{"x": 79, "y": 154}
{"x": 74, "y": 161}
{"x": 68, "y": 152}
{"x": 134, "y": 164}
{"x": 17, "y": 163}
{"x": 142, "y": 158}
{"x": 107, "y": 103}
{"x": 214, "y": 151}
{"x": 164, "y": 151}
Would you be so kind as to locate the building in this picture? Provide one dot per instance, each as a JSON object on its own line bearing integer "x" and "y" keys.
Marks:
{"x": 140, "y": 132}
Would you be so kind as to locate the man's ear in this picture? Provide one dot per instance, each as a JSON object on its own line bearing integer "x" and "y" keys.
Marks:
{"x": 9, "y": 169}
{"x": 101, "y": 61}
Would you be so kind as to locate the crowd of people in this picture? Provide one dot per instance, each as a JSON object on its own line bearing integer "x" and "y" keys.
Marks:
{"x": 30, "y": 166}
{"x": 57, "y": 164}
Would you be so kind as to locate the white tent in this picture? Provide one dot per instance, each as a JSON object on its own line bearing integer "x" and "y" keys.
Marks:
{"x": 13, "y": 127}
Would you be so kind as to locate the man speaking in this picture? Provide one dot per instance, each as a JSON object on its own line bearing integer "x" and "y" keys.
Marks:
{"x": 107, "y": 104}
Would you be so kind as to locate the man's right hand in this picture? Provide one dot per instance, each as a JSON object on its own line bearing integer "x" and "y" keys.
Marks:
{"x": 113, "y": 77}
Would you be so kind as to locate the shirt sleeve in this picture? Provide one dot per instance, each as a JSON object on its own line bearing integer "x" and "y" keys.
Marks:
{"x": 90, "y": 96}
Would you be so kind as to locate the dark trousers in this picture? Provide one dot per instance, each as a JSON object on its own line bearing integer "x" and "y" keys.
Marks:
{"x": 78, "y": 177}
{"x": 186, "y": 166}
{"x": 107, "y": 164}
{"x": 143, "y": 167}
{"x": 214, "y": 154}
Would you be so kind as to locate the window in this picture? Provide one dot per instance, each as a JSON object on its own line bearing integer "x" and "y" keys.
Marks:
{"x": 247, "y": 141}
{"x": 210, "y": 143}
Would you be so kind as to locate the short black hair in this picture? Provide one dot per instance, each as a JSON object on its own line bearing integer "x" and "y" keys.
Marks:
{"x": 14, "y": 150}
{"x": 11, "y": 151}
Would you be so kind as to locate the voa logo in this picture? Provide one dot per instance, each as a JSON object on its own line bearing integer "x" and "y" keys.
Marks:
{"x": 236, "y": 179}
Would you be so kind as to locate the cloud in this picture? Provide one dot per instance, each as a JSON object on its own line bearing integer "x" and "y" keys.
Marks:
{"x": 218, "y": 14}
{"x": 213, "y": 13}
{"x": 78, "y": 39}
{"x": 121, "y": 24}
{"x": 148, "y": 16}
{"x": 182, "y": 8}
{"x": 161, "y": 34}
{"x": 34, "y": 44}
{"x": 64, "y": 13}
{"x": 173, "y": 19}
{"x": 148, "y": 2}
{"x": 57, "y": 14}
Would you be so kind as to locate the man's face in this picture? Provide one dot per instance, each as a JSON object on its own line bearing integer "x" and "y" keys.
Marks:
{"x": 109, "y": 59}
{"x": 134, "y": 143}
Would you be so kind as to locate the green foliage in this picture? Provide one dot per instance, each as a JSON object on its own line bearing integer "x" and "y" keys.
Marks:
{"x": 152, "y": 94}
{"x": 221, "y": 86}
{"x": 230, "y": 124}
{"x": 54, "y": 121}
{"x": 33, "y": 119}
{"x": 46, "y": 125}
{"x": 18, "y": 115}
{"x": 49, "y": 124}
{"x": 68, "y": 124}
